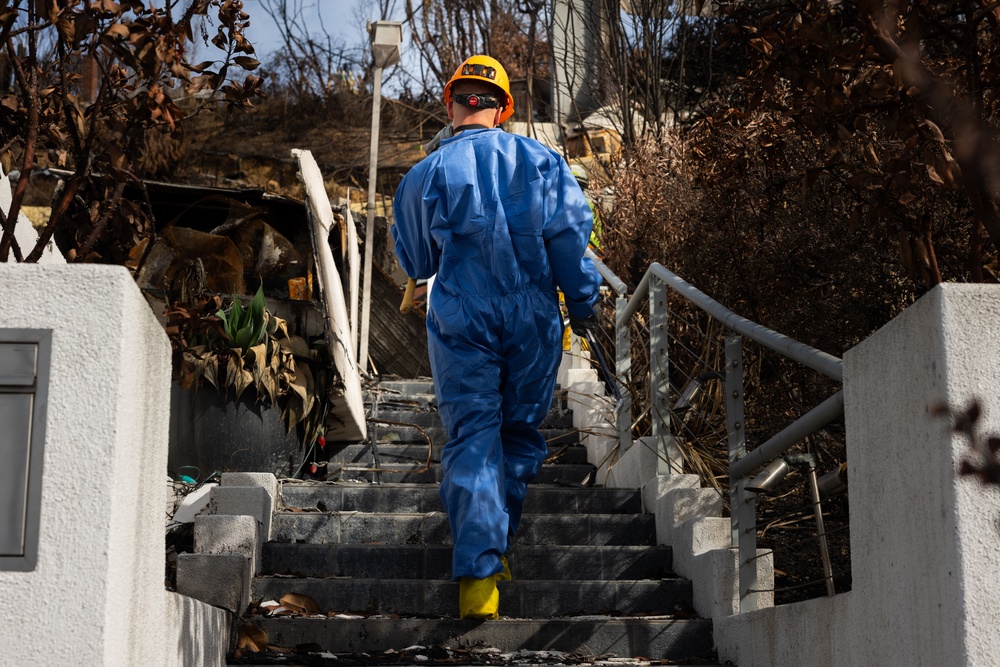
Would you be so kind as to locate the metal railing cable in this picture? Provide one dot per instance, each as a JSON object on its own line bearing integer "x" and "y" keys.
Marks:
{"x": 699, "y": 379}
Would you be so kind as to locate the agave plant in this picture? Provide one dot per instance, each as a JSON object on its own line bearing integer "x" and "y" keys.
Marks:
{"x": 245, "y": 327}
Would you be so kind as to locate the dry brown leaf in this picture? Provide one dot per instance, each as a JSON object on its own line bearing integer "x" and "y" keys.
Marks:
{"x": 252, "y": 638}
{"x": 300, "y": 603}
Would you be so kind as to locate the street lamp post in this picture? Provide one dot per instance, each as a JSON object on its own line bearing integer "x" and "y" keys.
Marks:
{"x": 386, "y": 37}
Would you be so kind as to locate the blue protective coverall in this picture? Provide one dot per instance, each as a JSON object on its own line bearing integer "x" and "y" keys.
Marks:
{"x": 502, "y": 222}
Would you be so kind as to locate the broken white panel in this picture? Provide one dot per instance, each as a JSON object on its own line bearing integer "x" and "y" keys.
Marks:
{"x": 354, "y": 264}
{"x": 24, "y": 233}
{"x": 193, "y": 504}
{"x": 349, "y": 410}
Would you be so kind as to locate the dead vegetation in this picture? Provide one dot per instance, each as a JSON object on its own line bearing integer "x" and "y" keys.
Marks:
{"x": 848, "y": 168}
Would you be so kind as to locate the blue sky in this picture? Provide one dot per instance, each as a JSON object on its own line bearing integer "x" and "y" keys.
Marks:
{"x": 344, "y": 19}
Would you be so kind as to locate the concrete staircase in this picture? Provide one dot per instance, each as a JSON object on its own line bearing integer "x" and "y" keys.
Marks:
{"x": 588, "y": 576}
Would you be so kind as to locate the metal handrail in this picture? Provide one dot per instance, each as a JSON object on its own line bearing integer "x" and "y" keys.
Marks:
{"x": 796, "y": 432}
{"x": 820, "y": 362}
{"x": 654, "y": 285}
{"x": 614, "y": 281}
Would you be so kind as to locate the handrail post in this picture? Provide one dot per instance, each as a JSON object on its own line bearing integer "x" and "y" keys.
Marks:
{"x": 623, "y": 371}
{"x": 742, "y": 505}
{"x": 734, "y": 421}
{"x": 824, "y": 550}
{"x": 659, "y": 358}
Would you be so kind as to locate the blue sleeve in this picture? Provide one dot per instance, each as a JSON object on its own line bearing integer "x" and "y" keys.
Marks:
{"x": 414, "y": 209}
{"x": 568, "y": 221}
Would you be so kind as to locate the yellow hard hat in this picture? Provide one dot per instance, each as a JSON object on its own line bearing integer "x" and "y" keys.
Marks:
{"x": 483, "y": 68}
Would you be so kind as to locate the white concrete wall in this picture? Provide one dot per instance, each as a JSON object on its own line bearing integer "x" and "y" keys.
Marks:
{"x": 97, "y": 595}
{"x": 814, "y": 633}
{"x": 196, "y": 633}
{"x": 926, "y": 579}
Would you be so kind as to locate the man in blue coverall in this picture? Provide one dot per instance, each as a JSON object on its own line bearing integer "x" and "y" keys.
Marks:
{"x": 503, "y": 223}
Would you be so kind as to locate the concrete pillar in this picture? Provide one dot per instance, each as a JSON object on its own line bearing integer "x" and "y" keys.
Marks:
{"x": 96, "y": 595}
{"x": 926, "y": 580}
{"x": 923, "y": 539}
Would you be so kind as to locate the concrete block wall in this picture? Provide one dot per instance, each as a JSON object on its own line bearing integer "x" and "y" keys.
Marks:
{"x": 101, "y": 549}
{"x": 926, "y": 580}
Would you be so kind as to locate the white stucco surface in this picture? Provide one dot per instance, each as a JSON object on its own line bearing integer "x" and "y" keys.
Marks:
{"x": 97, "y": 594}
{"x": 197, "y": 633}
{"x": 926, "y": 580}
{"x": 923, "y": 539}
{"x": 814, "y": 633}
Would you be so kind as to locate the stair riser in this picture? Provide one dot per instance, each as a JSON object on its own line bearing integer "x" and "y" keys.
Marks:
{"x": 411, "y": 434}
{"x": 536, "y": 529}
{"x": 557, "y": 418}
{"x": 655, "y": 639}
{"x": 407, "y": 393}
{"x": 392, "y": 452}
{"x": 555, "y": 474}
{"x": 434, "y": 562}
{"x": 536, "y": 599}
{"x": 415, "y": 499}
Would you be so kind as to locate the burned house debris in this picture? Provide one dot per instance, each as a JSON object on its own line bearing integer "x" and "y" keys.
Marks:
{"x": 213, "y": 245}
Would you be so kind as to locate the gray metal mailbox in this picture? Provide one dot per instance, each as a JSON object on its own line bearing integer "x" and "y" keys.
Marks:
{"x": 24, "y": 374}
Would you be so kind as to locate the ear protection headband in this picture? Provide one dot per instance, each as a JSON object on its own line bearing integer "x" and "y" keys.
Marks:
{"x": 477, "y": 100}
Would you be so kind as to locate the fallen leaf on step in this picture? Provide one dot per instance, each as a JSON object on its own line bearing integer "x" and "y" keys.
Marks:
{"x": 299, "y": 603}
{"x": 252, "y": 638}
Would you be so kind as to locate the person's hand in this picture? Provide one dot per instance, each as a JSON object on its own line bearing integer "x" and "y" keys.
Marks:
{"x": 581, "y": 325}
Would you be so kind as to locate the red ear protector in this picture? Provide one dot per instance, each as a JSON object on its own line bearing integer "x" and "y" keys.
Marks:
{"x": 477, "y": 100}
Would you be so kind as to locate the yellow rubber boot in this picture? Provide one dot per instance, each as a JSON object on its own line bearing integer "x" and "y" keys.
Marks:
{"x": 505, "y": 575}
{"x": 478, "y": 598}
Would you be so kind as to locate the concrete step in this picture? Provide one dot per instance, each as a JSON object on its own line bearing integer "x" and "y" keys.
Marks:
{"x": 391, "y": 434}
{"x": 433, "y": 562}
{"x": 415, "y": 498}
{"x": 433, "y": 528}
{"x": 519, "y": 599}
{"x": 407, "y": 386}
{"x": 407, "y": 394}
{"x": 424, "y": 417}
{"x": 425, "y": 397}
{"x": 565, "y": 450}
{"x": 653, "y": 638}
{"x": 568, "y": 474}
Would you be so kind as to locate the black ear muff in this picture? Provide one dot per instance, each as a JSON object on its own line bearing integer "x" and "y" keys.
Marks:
{"x": 477, "y": 100}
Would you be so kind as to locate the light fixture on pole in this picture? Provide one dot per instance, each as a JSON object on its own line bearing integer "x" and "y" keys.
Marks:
{"x": 386, "y": 37}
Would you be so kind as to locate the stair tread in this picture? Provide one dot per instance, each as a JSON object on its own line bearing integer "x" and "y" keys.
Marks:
{"x": 420, "y": 434}
{"x": 569, "y": 473}
{"x": 433, "y": 528}
{"x": 533, "y": 598}
{"x": 564, "y": 440}
{"x": 557, "y": 418}
{"x": 433, "y": 562}
{"x": 656, "y": 638}
{"x": 406, "y": 497}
